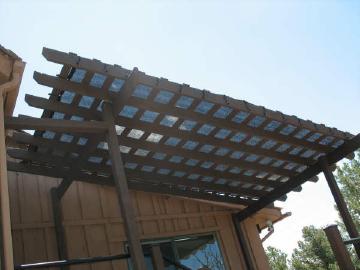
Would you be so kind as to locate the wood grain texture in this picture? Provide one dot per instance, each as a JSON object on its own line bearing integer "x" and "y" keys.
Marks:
{"x": 93, "y": 225}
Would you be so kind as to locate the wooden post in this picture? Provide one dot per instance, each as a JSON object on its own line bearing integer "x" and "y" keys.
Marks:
{"x": 338, "y": 247}
{"x": 157, "y": 257}
{"x": 4, "y": 194}
{"x": 343, "y": 210}
{"x": 59, "y": 229}
{"x": 247, "y": 261}
{"x": 127, "y": 210}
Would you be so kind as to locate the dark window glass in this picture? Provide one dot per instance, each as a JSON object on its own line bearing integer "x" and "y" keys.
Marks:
{"x": 194, "y": 252}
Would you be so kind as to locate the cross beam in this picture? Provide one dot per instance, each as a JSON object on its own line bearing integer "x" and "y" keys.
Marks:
{"x": 336, "y": 155}
{"x": 55, "y": 125}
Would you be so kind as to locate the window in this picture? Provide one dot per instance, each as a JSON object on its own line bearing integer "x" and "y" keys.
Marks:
{"x": 195, "y": 252}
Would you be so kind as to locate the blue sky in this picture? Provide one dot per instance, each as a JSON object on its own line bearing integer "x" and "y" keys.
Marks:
{"x": 299, "y": 57}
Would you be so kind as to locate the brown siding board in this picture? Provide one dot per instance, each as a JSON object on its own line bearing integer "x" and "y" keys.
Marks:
{"x": 93, "y": 226}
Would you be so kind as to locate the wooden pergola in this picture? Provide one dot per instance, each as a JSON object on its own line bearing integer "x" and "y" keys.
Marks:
{"x": 108, "y": 125}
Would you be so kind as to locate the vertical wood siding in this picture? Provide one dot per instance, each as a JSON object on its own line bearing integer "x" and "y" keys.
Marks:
{"x": 93, "y": 225}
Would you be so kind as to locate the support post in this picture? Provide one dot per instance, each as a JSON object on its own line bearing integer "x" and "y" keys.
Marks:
{"x": 63, "y": 187}
{"x": 338, "y": 247}
{"x": 4, "y": 194}
{"x": 157, "y": 257}
{"x": 59, "y": 229}
{"x": 122, "y": 190}
{"x": 248, "y": 262}
{"x": 340, "y": 203}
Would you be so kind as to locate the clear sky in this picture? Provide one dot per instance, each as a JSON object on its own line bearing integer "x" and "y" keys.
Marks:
{"x": 299, "y": 57}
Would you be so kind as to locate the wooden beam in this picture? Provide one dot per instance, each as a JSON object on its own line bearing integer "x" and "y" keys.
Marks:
{"x": 230, "y": 177}
{"x": 59, "y": 229}
{"x": 131, "y": 227}
{"x": 59, "y": 165}
{"x": 55, "y": 106}
{"x": 228, "y": 124}
{"x": 76, "y": 61}
{"x": 157, "y": 259}
{"x": 67, "y": 126}
{"x": 28, "y": 139}
{"x": 63, "y": 187}
{"x": 45, "y": 104}
{"x": 116, "y": 71}
{"x": 201, "y": 171}
{"x": 82, "y": 89}
{"x": 133, "y": 183}
{"x": 4, "y": 195}
{"x": 63, "y": 84}
{"x": 340, "y": 203}
{"x": 158, "y": 178}
{"x": 248, "y": 262}
{"x": 187, "y": 193}
{"x": 338, "y": 247}
{"x": 333, "y": 157}
{"x": 56, "y": 173}
{"x": 191, "y": 154}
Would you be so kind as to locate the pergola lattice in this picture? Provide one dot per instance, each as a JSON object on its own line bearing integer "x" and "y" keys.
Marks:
{"x": 173, "y": 139}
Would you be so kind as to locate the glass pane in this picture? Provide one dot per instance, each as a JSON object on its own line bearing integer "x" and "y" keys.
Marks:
{"x": 148, "y": 259}
{"x": 168, "y": 252}
{"x": 195, "y": 252}
{"x": 198, "y": 252}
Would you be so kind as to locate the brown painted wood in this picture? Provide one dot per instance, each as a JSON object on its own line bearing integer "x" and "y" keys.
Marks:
{"x": 235, "y": 127}
{"x": 83, "y": 63}
{"x": 157, "y": 258}
{"x": 244, "y": 244}
{"x": 55, "y": 106}
{"x": 101, "y": 229}
{"x": 82, "y": 89}
{"x": 4, "y": 195}
{"x": 340, "y": 203}
{"x": 133, "y": 183}
{"x": 24, "y": 138}
{"x": 60, "y": 107}
{"x": 338, "y": 247}
{"x": 333, "y": 157}
{"x": 202, "y": 171}
{"x": 54, "y": 125}
{"x": 59, "y": 229}
{"x": 63, "y": 84}
{"x": 187, "y": 193}
{"x": 190, "y": 154}
{"x": 58, "y": 164}
{"x": 122, "y": 191}
{"x": 58, "y": 161}
{"x": 63, "y": 187}
{"x": 161, "y": 83}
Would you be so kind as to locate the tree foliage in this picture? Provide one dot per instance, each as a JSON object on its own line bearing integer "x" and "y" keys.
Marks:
{"x": 277, "y": 258}
{"x": 314, "y": 251}
{"x": 348, "y": 177}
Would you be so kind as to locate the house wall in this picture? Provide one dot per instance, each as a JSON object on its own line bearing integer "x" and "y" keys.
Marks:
{"x": 93, "y": 226}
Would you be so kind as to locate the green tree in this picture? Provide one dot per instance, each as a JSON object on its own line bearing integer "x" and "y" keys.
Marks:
{"x": 348, "y": 178}
{"x": 313, "y": 252}
{"x": 277, "y": 259}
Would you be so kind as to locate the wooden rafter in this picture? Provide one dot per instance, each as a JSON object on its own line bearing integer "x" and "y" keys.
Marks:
{"x": 57, "y": 163}
{"x": 257, "y": 169}
{"x": 54, "y": 125}
{"x": 27, "y": 139}
{"x": 336, "y": 155}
